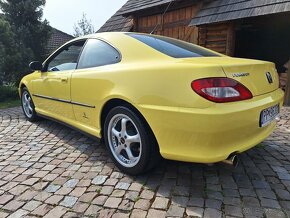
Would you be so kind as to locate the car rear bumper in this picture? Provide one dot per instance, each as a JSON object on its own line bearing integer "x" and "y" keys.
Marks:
{"x": 212, "y": 134}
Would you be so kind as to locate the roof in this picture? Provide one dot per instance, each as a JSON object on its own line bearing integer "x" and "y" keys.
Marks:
{"x": 138, "y": 5}
{"x": 57, "y": 39}
{"x": 120, "y": 20}
{"x": 117, "y": 23}
{"x": 226, "y": 10}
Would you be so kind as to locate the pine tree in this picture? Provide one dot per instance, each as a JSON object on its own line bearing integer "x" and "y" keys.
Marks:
{"x": 30, "y": 35}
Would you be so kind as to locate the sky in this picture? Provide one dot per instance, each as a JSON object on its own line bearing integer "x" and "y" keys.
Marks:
{"x": 63, "y": 14}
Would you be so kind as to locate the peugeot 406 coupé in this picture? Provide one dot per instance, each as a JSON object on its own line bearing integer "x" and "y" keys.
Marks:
{"x": 149, "y": 96}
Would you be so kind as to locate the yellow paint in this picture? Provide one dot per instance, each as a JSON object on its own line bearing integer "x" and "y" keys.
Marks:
{"x": 187, "y": 127}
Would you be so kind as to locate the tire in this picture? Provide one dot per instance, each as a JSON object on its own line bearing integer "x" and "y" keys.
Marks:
{"x": 28, "y": 106}
{"x": 130, "y": 141}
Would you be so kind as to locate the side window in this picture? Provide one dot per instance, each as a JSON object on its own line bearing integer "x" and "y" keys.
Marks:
{"x": 67, "y": 58}
{"x": 98, "y": 53}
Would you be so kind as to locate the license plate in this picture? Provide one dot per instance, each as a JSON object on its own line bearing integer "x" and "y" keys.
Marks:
{"x": 268, "y": 115}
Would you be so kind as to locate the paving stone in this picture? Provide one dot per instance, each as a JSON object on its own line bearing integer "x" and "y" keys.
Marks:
{"x": 78, "y": 192}
{"x": 271, "y": 213}
{"x": 69, "y": 201}
{"x": 5, "y": 198}
{"x": 137, "y": 213}
{"x": 175, "y": 211}
{"x": 262, "y": 193}
{"x": 80, "y": 207}
{"x": 126, "y": 205}
{"x": 212, "y": 203}
{"x": 147, "y": 194}
{"x": 99, "y": 180}
{"x": 209, "y": 213}
{"x": 122, "y": 185}
{"x": 56, "y": 212}
{"x": 270, "y": 203}
{"x": 18, "y": 214}
{"x": 100, "y": 200}
{"x": 251, "y": 202}
{"x": 142, "y": 204}
{"x": 52, "y": 188}
{"x": 88, "y": 197}
{"x": 197, "y": 202}
{"x": 93, "y": 210}
{"x": 71, "y": 183}
{"x": 31, "y": 205}
{"x": 283, "y": 194}
{"x": 160, "y": 203}
{"x": 233, "y": 211}
{"x": 112, "y": 202}
{"x": 13, "y": 205}
{"x": 54, "y": 200}
{"x": 156, "y": 213}
{"x": 42, "y": 210}
{"x": 3, "y": 214}
{"x": 194, "y": 211}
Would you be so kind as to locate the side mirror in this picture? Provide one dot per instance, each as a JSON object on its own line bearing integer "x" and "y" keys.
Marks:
{"x": 35, "y": 66}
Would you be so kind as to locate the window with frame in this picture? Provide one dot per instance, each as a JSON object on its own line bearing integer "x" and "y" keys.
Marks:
{"x": 98, "y": 53}
{"x": 67, "y": 58}
{"x": 173, "y": 47}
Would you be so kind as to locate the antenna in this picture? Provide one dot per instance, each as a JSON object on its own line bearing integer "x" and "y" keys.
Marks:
{"x": 162, "y": 17}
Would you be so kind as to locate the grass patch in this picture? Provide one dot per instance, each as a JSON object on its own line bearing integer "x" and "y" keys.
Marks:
{"x": 9, "y": 97}
{"x": 10, "y": 103}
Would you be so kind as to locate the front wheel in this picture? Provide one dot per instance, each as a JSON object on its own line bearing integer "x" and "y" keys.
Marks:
{"x": 131, "y": 144}
{"x": 28, "y": 105}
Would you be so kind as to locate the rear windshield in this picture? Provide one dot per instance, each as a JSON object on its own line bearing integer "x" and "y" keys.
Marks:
{"x": 173, "y": 47}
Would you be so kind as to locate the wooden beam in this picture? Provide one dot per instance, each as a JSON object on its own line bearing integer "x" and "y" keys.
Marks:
{"x": 287, "y": 92}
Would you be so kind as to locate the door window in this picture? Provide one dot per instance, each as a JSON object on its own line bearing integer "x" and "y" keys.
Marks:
{"x": 67, "y": 58}
{"x": 98, "y": 53}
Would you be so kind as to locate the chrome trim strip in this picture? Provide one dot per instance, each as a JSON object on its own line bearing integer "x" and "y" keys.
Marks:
{"x": 64, "y": 101}
{"x": 81, "y": 104}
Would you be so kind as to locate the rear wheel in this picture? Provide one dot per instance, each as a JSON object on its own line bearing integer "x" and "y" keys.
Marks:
{"x": 131, "y": 144}
{"x": 28, "y": 105}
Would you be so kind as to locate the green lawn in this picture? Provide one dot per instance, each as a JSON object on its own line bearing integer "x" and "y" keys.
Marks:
{"x": 10, "y": 103}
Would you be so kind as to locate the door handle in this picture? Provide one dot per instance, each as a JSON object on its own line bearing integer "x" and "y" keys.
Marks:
{"x": 64, "y": 79}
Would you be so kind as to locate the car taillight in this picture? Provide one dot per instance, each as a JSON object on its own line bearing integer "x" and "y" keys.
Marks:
{"x": 221, "y": 89}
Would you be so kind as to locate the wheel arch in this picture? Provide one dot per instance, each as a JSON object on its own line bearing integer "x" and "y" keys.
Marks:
{"x": 110, "y": 104}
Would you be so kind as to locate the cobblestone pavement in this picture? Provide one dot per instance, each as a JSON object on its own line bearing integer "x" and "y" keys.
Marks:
{"x": 49, "y": 170}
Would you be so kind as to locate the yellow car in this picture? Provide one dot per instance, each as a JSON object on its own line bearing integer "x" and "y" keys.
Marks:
{"x": 147, "y": 95}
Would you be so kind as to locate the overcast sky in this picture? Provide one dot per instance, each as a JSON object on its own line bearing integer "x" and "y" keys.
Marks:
{"x": 63, "y": 14}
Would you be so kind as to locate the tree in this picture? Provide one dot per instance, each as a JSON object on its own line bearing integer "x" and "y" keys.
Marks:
{"x": 83, "y": 27}
{"x": 30, "y": 35}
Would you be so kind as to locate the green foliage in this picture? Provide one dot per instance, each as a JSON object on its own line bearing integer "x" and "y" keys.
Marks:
{"x": 10, "y": 103}
{"x": 83, "y": 27}
{"x": 8, "y": 93}
{"x": 23, "y": 37}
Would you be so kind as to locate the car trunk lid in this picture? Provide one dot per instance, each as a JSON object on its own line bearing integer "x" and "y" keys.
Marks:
{"x": 259, "y": 77}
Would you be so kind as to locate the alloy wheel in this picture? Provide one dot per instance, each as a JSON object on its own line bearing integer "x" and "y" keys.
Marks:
{"x": 124, "y": 140}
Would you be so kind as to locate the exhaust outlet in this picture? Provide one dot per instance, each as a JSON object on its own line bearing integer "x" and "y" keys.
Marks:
{"x": 232, "y": 160}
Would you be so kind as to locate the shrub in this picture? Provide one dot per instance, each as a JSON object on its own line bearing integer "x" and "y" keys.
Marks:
{"x": 8, "y": 93}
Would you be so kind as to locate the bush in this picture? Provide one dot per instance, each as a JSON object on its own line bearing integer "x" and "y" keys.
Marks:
{"x": 8, "y": 93}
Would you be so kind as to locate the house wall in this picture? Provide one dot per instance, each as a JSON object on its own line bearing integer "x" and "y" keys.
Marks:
{"x": 218, "y": 37}
{"x": 173, "y": 24}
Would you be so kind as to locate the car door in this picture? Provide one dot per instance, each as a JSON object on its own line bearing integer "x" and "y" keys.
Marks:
{"x": 52, "y": 88}
{"x": 87, "y": 85}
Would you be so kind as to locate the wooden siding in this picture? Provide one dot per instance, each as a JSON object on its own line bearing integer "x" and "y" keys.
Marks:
{"x": 173, "y": 24}
{"x": 218, "y": 37}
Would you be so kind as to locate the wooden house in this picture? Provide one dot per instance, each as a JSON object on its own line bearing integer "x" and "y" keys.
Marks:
{"x": 258, "y": 29}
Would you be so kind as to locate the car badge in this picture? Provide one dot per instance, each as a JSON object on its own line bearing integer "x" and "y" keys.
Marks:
{"x": 269, "y": 77}
{"x": 240, "y": 74}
